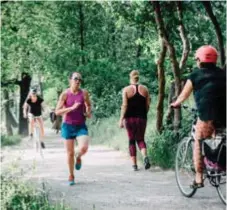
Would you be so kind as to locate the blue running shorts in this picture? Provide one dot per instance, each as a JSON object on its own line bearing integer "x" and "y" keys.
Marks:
{"x": 72, "y": 131}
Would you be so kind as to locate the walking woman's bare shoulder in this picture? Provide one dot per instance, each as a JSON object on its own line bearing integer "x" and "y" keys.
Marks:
{"x": 127, "y": 88}
{"x": 144, "y": 90}
{"x": 144, "y": 87}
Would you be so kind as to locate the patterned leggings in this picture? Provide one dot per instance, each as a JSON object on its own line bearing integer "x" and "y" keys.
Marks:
{"x": 136, "y": 129}
{"x": 202, "y": 130}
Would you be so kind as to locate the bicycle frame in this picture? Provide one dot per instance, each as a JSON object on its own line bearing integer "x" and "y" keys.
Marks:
{"x": 36, "y": 136}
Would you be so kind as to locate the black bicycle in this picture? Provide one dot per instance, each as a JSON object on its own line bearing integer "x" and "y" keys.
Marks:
{"x": 214, "y": 161}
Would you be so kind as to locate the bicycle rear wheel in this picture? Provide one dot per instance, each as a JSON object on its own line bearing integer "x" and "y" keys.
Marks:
{"x": 184, "y": 169}
{"x": 221, "y": 187}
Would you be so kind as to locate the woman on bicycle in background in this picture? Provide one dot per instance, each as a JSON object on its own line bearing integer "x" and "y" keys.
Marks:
{"x": 208, "y": 84}
{"x": 33, "y": 105}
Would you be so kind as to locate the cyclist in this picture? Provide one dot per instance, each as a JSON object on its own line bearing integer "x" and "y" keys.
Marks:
{"x": 208, "y": 84}
{"x": 135, "y": 105}
{"x": 33, "y": 109}
{"x": 74, "y": 104}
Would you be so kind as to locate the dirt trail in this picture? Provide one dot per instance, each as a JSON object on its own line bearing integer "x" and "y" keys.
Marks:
{"x": 106, "y": 180}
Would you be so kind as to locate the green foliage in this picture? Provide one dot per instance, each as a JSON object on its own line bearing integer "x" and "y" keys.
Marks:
{"x": 16, "y": 194}
{"x": 51, "y": 97}
{"x": 162, "y": 147}
{"x": 10, "y": 140}
{"x": 45, "y": 38}
{"x": 107, "y": 132}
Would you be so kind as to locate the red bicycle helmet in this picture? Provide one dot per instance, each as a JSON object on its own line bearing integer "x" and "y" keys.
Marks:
{"x": 207, "y": 54}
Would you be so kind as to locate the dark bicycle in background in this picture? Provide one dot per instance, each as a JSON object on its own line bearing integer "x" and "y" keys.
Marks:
{"x": 213, "y": 152}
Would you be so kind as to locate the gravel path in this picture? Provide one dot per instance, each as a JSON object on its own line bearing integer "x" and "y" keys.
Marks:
{"x": 106, "y": 180}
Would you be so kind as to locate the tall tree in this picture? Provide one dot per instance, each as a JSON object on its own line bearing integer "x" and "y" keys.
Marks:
{"x": 172, "y": 54}
{"x": 208, "y": 7}
{"x": 183, "y": 35}
{"x": 161, "y": 87}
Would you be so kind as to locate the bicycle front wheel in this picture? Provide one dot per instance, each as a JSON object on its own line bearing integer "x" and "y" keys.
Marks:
{"x": 221, "y": 186}
{"x": 184, "y": 169}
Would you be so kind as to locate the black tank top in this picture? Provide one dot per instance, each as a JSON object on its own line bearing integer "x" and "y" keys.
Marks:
{"x": 136, "y": 106}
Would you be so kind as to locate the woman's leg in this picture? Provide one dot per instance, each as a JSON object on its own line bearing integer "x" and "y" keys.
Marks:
{"x": 40, "y": 121}
{"x": 202, "y": 130}
{"x": 31, "y": 126}
{"x": 83, "y": 143}
{"x": 69, "y": 145}
{"x": 198, "y": 162}
{"x": 132, "y": 151}
{"x": 131, "y": 130}
{"x": 141, "y": 128}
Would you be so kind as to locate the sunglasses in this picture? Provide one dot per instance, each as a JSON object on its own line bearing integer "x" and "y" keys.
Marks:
{"x": 77, "y": 79}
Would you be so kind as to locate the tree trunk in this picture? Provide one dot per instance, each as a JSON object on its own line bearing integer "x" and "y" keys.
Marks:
{"x": 8, "y": 125}
{"x": 24, "y": 90}
{"x": 172, "y": 98}
{"x": 81, "y": 14}
{"x": 176, "y": 70}
{"x": 161, "y": 89}
{"x": 208, "y": 7}
{"x": 184, "y": 38}
{"x": 171, "y": 95}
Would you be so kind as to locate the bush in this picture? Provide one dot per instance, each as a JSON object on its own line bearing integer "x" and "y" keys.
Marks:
{"x": 10, "y": 140}
{"x": 18, "y": 195}
{"x": 162, "y": 147}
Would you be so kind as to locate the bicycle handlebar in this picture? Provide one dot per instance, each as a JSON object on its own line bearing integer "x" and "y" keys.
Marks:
{"x": 190, "y": 109}
{"x": 186, "y": 108}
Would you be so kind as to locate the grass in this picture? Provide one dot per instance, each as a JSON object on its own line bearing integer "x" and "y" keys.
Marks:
{"x": 17, "y": 194}
{"x": 10, "y": 140}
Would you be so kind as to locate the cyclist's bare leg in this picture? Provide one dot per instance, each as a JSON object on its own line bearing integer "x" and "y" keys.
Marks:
{"x": 198, "y": 162}
{"x": 31, "y": 125}
{"x": 40, "y": 121}
{"x": 83, "y": 143}
{"x": 69, "y": 144}
{"x": 202, "y": 130}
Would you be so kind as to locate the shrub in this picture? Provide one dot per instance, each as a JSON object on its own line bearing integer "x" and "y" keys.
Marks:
{"x": 10, "y": 140}
{"x": 16, "y": 194}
